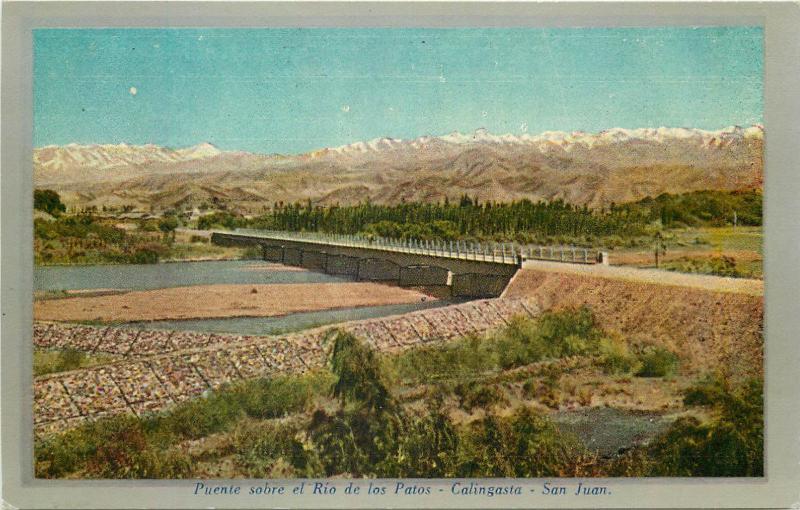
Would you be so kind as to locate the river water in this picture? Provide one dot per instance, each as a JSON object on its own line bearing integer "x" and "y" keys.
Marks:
{"x": 171, "y": 274}
{"x": 179, "y": 274}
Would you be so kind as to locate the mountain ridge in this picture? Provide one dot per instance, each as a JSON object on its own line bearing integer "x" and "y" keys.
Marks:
{"x": 613, "y": 165}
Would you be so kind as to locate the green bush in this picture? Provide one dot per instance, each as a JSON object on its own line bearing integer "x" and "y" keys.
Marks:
{"x": 524, "y": 445}
{"x": 200, "y": 417}
{"x": 127, "y": 454}
{"x": 273, "y": 450}
{"x": 116, "y": 447}
{"x": 472, "y": 395}
{"x": 48, "y": 201}
{"x": 282, "y": 395}
{"x": 146, "y": 255}
{"x": 221, "y": 219}
{"x": 719, "y": 266}
{"x": 730, "y": 444}
{"x": 452, "y": 361}
{"x": 218, "y": 412}
{"x": 657, "y": 362}
{"x": 427, "y": 448}
{"x": 357, "y": 441}
{"x": 615, "y": 357}
{"x": 522, "y": 342}
{"x": 359, "y": 378}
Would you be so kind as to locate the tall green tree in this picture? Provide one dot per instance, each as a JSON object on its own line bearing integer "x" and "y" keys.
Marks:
{"x": 48, "y": 201}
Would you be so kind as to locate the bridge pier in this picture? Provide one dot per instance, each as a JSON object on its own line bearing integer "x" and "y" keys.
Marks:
{"x": 314, "y": 260}
{"x": 342, "y": 265}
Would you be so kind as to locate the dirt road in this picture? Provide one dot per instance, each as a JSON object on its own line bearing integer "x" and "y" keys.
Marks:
{"x": 633, "y": 274}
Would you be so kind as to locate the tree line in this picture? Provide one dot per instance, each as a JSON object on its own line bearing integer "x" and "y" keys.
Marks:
{"x": 522, "y": 220}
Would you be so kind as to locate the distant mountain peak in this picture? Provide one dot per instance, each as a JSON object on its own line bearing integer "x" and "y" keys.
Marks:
{"x": 102, "y": 156}
{"x": 200, "y": 151}
{"x": 547, "y": 139}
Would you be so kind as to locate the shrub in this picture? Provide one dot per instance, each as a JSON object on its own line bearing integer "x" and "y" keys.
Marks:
{"x": 523, "y": 341}
{"x": 359, "y": 379}
{"x": 48, "y": 201}
{"x": 569, "y": 332}
{"x": 201, "y": 417}
{"x": 149, "y": 253}
{"x": 615, "y": 358}
{"x": 270, "y": 450}
{"x": 524, "y": 445}
{"x": 472, "y": 395}
{"x": 126, "y": 454}
{"x": 427, "y": 448}
{"x": 357, "y": 441}
{"x": 116, "y": 447}
{"x": 73, "y": 450}
{"x": 168, "y": 224}
{"x": 731, "y": 444}
{"x": 279, "y": 396}
{"x": 719, "y": 266}
{"x": 455, "y": 360}
{"x": 657, "y": 362}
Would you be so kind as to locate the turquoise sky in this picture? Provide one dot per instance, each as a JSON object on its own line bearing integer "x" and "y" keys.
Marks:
{"x": 294, "y": 90}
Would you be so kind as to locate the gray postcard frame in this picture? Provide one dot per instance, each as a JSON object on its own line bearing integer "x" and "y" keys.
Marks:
{"x": 780, "y": 488}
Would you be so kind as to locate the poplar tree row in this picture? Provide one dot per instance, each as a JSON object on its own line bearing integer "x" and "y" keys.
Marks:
{"x": 466, "y": 218}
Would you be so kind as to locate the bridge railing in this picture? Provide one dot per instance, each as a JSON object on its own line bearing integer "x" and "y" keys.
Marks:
{"x": 506, "y": 252}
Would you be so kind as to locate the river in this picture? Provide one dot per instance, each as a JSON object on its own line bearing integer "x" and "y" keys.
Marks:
{"x": 170, "y": 274}
{"x": 180, "y": 274}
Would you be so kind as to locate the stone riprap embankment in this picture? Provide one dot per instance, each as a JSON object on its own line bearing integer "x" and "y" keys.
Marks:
{"x": 164, "y": 367}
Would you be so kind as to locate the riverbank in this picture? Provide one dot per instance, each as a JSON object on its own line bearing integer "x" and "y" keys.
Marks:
{"x": 222, "y": 300}
{"x": 205, "y": 258}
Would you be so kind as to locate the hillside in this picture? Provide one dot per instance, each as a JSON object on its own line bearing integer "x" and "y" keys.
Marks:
{"x": 615, "y": 165}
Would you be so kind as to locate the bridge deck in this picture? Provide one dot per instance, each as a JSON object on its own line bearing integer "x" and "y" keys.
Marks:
{"x": 504, "y": 253}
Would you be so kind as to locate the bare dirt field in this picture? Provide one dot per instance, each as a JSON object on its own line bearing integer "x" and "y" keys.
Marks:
{"x": 215, "y": 301}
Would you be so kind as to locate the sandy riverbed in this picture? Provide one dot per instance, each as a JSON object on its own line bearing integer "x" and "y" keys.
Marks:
{"x": 215, "y": 301}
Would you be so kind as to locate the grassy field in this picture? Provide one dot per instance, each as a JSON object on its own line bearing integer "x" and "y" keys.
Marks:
{"x": 525, "y": 401}
{"x": 724, "y": 251}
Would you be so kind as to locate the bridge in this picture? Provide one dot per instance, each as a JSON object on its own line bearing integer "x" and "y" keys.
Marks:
{"x": 445, "y": 268}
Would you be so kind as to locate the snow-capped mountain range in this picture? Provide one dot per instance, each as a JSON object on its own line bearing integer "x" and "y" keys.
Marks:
{"x": 549, "y": 140}
{"x": 586, "y": 168}
{"x": 107, "y": 156}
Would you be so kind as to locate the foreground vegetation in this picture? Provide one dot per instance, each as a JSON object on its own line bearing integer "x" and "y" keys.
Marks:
{"x": 398, "y": 416}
